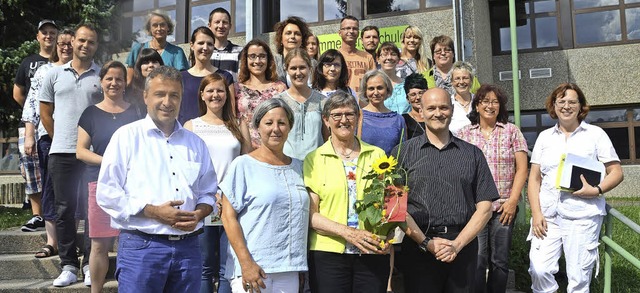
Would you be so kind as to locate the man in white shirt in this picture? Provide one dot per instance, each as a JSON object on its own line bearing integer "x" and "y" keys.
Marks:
{"x": 157, "y": 183}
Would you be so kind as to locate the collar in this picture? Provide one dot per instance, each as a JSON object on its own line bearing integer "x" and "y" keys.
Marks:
{"x": 453, "y": 141}
{"x": 226, "y": 48}
{"x": 327, "y": 149}
{"x": 476, "y": 126}
{"x": 149, "y": 126}
{"x": 581, "y": 126}
{"x": 94, "y": 67}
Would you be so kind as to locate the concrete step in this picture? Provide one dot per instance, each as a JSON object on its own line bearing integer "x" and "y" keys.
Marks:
{"x": 44, "y": 285}
{"x": 14, "y": 241}
{"x": 27, "y": 267}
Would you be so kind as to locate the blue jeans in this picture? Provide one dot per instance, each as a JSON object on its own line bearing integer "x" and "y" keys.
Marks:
{"x": 214, "y": 245}
{"x": 494, "y": 244}
{"x": 147, "y": 263}
{"x": 48, "y": 205}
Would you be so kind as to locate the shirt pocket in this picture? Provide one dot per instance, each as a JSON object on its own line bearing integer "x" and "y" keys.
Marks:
{"x": 190, "y": 173}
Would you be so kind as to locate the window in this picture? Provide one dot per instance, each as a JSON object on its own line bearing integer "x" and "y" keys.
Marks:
{"x": 622, "y": 125}
{"x": 538, "y": 25}
{"x": 565, "y": 24}
{"x": 394, "y": 6}
{"x": 134, "y": 14}
{"x": 313, "y": 11}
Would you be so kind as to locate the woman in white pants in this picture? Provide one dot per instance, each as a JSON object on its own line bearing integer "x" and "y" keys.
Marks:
{"x": 567, "y": 221}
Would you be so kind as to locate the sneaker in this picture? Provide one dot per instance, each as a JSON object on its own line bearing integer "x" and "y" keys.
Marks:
{"x": 33, "y": 224}
{"x": 87, "y": 276}
{"x": 65, "y": 279}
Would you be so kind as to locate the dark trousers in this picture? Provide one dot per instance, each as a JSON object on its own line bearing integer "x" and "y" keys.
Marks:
{"x": 494, "y": 244}
{"x": 48, "y": 199}
{"x": 337, "y": 272}
{"x": 424, "y": 273}
{"x": 65, "y": 171}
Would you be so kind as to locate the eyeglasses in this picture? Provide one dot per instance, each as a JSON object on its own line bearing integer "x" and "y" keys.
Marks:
{"x": 254, "y": 57}
{"x": 462, "y": 78}
{"x": 443, "y": 51}
{"x": 338, "y": 116}
{"x": 571, "y": 103}
{"x": 387, "y": 55}
{"x": 350, "y": 28}
{"x": 64, "y": 45}
{"x": 487, "y": 103}
{"x": 334, "y": 65}
{"x": 415, "y": 94}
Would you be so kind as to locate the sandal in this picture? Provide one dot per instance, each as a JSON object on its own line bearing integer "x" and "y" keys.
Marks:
{"x": 46, "y": 251}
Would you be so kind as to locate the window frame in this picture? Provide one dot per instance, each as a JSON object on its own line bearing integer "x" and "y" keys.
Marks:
{"x": 422, "y": 7}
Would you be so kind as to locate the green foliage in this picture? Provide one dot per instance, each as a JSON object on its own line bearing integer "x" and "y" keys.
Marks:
{"x": 624, "y": 274}
{"x": 19, "y": 20}
{"x": 13, "y": 217}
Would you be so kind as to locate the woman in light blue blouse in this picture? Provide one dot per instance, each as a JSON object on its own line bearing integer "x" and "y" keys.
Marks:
{"x": 265, "y": 209}
{"x": 388, "y": 57}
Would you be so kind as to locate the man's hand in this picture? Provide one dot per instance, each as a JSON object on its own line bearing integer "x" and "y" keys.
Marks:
{"x": 168, "y": 213}
{"x": 443, "y": 249}
{"x": 29, "y": 145}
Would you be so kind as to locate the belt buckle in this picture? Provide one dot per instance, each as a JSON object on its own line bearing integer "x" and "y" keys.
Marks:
{"x": 445, "y": 230}
{"x": 174, "y": 237}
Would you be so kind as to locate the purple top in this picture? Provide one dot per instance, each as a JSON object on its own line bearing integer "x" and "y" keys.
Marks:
{"x": 384, "y": 130}
{"x": 189, "y": 105}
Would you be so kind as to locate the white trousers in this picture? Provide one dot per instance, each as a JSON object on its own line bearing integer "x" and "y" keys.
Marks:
{"x": 579, "y": 241}
{"x": 287, "y": 282}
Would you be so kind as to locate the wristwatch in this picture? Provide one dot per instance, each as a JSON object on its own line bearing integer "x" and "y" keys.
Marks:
{"x": 423, "y": 245}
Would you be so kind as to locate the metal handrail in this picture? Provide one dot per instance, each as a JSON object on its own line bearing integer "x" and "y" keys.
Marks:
{"x": 610, "y": 244}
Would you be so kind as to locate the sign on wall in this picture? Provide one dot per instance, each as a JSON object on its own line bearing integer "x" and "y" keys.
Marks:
{"x": 387, "y": 34}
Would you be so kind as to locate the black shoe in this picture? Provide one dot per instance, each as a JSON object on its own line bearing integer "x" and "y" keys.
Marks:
{"x": 26, "y": 205}
{"x": 33, "y": 224}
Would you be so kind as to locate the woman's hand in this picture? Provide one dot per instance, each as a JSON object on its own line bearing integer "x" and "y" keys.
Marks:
{"x": 365, "y": 241}
{"x": 539, "y": 226}
{"x": 587, "y": 191}
{"x": 508, "y": 210}
{"x": 252, "y": 275}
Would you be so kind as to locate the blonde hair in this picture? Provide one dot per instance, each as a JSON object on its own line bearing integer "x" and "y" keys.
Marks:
{"x": 422, "y": 59}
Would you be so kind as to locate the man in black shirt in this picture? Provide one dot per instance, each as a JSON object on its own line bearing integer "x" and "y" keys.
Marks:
{"x": 450, "y": 195}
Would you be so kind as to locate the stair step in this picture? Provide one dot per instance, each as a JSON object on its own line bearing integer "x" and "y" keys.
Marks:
{"x": 27, "y": 267}
{"x": 45, "y": 285}
{"x": 15, "y": 241}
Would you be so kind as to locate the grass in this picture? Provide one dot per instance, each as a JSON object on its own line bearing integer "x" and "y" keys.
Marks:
{"x": 624, "y": 274}
{"x": 13, "y": 217}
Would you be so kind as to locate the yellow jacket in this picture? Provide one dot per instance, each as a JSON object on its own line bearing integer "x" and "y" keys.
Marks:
{"x": 324, "y": 175}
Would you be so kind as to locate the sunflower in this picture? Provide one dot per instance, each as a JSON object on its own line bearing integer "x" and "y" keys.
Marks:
{"x": 384, "y": 165}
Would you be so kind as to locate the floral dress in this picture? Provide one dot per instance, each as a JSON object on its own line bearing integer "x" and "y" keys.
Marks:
{"x": 247, "y": 100}
{"x": 350, "y": 170}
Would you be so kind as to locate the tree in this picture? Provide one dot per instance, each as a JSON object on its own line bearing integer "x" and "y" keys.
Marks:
{"x": 17, "y": 40}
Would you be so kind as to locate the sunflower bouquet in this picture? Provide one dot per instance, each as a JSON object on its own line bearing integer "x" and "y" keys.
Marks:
{"x": 384, "y": 205}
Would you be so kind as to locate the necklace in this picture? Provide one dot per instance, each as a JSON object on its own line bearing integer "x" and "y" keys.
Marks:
{"x": 346, "y": 155}
{"x": 114, "y": 116}
{"x": 463, "y": 105}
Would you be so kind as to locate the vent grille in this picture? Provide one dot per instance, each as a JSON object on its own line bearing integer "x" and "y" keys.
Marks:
{"x": 540, "y": 73}
{"x": 508, "y": 75}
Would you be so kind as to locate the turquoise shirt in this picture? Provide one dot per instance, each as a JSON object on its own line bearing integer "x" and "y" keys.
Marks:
{"x": 273, "y": 210}
{"x": 397, "y": 102}
{"x": 171, "y": 56}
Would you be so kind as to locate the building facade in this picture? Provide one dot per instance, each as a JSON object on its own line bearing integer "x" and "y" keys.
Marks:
{"x": 594, "y": 43}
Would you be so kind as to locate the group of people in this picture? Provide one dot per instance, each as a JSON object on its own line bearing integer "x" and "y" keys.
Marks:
{"x": 271, "y": 149}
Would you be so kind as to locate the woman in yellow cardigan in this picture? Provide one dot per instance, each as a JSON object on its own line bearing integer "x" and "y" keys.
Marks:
{"x": 343, "y": 257}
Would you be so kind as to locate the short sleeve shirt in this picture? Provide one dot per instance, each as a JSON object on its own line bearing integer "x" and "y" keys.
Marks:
{"x": 272, "y": 205}
{"x": 27, "y": 70}
{"x": 586, "y": 141}
{"x": 445, "y": 184}
{"x": 172, "y": 55}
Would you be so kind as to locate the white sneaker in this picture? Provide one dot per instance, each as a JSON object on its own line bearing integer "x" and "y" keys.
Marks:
{"x": 65, "y": 279}
{"x": 87, "y": 276}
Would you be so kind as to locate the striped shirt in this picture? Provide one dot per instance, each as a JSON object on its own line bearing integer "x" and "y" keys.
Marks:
{"x": 227, "y": 58}
{"x": 444, "y": 184}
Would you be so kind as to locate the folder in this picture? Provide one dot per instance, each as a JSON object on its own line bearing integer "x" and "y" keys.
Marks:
{"x": 572, "y": 166}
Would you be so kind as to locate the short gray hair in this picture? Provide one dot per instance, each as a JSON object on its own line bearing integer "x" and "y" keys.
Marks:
{"x": 463, "y": 66}
{"x": 268, "y": 105}
{"x": 340, "y": 99}
{"x": 164, "y": 15}
{"x": 165, "y": 73}
{"x": 362, "y": 93}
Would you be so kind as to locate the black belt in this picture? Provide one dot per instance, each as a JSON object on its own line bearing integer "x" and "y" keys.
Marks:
{"x": 444, "y": 229}
{"x": 166, "y": 236}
